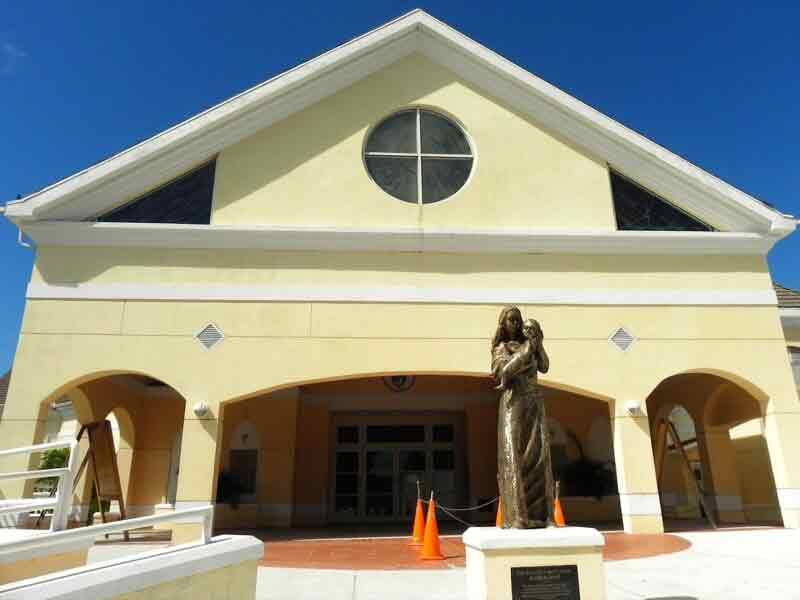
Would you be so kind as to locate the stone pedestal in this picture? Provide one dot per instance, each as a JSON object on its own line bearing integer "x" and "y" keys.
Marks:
{"x": 563, "y": 563}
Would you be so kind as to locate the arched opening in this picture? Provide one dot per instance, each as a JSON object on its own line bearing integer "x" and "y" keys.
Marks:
{"x": 583, "y": 458}
{"x": 356, "y": 450}
{"x": 710, "y": 452}
{"x": 679, "y": 466}
{"x": 145, "y": 416}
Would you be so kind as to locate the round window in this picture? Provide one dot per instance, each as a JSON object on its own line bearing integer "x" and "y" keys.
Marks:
{"x": 418, "y": 156}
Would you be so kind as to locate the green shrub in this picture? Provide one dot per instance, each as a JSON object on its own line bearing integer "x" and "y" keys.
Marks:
{"x": 53, "y": 459}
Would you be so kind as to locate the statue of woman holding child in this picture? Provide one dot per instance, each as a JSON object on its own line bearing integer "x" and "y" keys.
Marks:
{"x": 524, "y": 472}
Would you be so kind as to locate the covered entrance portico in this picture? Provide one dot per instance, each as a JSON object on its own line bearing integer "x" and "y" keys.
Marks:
{"x": 356, "y": 451}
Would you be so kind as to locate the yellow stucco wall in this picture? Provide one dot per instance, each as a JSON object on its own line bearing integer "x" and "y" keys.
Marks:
{"x": 235, "y": 581}
{"x": 759, "y": 501}
{"x": 313, "y": 458}
{"x": 308, "y": 170}
{"x": 41, "y": 565}
{"x": 481, "y": 424}
{"x": 274, "y": 419}
{"x": 64, "y": 265}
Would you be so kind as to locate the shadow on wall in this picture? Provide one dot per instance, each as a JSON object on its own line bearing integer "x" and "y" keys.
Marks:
{"x": 55, "y": 268}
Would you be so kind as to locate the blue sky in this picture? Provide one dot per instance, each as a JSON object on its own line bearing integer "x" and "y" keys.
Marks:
{"x": 714, "y": 82}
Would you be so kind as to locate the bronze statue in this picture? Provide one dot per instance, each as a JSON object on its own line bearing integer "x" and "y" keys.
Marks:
{"x": 524, "y": 472}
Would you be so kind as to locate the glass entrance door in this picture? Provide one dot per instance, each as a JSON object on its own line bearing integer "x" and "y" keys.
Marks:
{"x": 391, "y": 482}
{"x": 412, "y": 472}
{"x": 378, "y": 468}
{"x": 381, "y": 484}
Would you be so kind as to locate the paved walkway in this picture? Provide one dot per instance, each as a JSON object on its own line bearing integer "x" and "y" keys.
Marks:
{"x": 395, "y": 553}
{"x": 719, "y": 565}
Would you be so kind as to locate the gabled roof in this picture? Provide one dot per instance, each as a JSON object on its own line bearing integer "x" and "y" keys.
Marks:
{"x": 174, "y": 151}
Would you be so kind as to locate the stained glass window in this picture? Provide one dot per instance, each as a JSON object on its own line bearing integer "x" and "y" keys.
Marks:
{"x": 638, "y": 209}
{"x": 184, "y": 200}
{"x": 418, "y": 156}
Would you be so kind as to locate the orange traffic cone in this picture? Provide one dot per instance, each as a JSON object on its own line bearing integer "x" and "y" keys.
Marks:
{"x": 558, "y": 514}
{"x": 418, "y": 533}
{"x": 498, "y": 521}
{"x": 431, "y": 550}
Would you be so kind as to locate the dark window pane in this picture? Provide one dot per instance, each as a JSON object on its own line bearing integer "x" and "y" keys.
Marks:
{"x": 443, "y": 177}
{"x": 398, "y": 133}
{"x": 186, "y": 200}
{"x": 640, "y": 210}
{"x": 412, "y": 461}
{"x": 444, "y": 460}
{"x": 347, "y": 484}
{"x": 380, "y": 506}
{"x": 347, "y": 504}
{"x": 347, "y": 462}
{"x": 445, "y": 481}
{"x": 397, "y": 176}
{"x": 380, "y": 462}
{"x": 347, "y": 435}
{"x": 440, "y": 136}
{"x": 243, "y": 469}
{"x": 443, "y": 433}
{"x": 380, "y": 484}
{"x": 395, "y": 433}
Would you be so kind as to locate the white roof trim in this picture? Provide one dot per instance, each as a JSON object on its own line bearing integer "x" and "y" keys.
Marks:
{"x": 158, "y": 159}
{"x": 399, "y": 294}
{"x": 505, "y": 241}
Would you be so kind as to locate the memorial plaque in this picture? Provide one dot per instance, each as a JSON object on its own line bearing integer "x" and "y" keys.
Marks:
{"x": 558, "y": 582}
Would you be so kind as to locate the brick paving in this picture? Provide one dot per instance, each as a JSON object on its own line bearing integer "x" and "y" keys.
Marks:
{"x": 396, "y": 554}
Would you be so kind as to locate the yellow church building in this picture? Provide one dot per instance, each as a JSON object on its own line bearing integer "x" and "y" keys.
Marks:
{"x": 286, "y": 302}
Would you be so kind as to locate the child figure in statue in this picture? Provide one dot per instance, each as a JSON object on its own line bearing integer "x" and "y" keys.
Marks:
{"x": 530, "y": 329}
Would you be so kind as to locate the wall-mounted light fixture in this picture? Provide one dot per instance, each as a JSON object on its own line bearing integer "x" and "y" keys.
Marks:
{"x": 201, "y": 409}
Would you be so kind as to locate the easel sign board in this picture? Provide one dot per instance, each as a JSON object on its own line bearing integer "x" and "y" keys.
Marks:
{"x": 101, "y": 441}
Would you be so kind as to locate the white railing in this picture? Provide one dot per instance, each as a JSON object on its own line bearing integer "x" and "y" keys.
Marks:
{"x": 85, "y": 536}
{"x": 61, "y": 501}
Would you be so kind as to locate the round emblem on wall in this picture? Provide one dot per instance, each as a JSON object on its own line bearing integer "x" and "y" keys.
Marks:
{"x": 399, "y": 383}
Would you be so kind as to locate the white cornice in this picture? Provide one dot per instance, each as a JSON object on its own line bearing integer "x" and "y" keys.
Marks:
{"x": 505, "y": 241}
{"x": 174, "y": 151}
{"x": 400, "y": 294}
